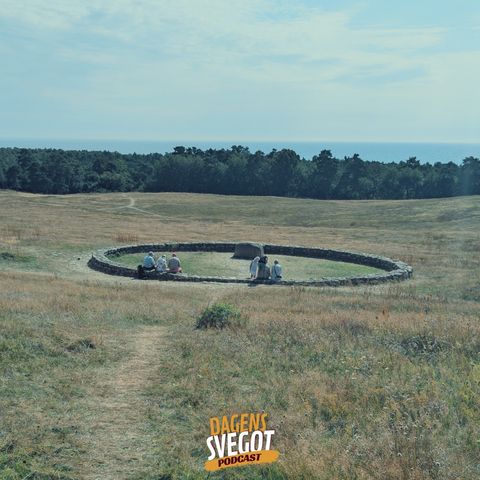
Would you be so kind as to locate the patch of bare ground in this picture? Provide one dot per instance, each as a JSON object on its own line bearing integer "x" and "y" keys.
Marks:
{"x": 117, "y": 438}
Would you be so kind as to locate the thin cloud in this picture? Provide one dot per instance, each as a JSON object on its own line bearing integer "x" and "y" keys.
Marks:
{"x": 186, "y": 62}
{"x": 215, "y": 32}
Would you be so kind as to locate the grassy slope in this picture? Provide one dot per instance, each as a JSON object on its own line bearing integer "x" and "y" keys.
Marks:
{"x": 377, "y": 382}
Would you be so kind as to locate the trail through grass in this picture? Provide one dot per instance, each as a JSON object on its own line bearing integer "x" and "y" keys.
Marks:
{"x": 118, "y": 436}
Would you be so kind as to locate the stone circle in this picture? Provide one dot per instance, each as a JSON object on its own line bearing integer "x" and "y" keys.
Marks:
{"x": 103, "y": 261}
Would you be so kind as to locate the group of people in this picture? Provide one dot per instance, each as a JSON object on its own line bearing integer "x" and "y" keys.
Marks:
{"x": 161, "y": 265}
{"x": 260, "y": 270}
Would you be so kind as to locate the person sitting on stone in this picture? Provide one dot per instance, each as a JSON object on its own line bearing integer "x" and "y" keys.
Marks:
{"x": 276, "y": 272}
{"x": 263, "y": 272}
{"x": 162, "y": 264}
{"x": 253, "y": 267}
{"x": 174, "y": 264}
{"x": 149, "y": 262}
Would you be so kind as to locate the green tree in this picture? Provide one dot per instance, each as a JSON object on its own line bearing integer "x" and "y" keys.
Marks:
{"x": 324, "y": 175}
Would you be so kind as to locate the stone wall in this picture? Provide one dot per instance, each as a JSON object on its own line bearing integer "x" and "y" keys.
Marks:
{"x": 103, "y": 261}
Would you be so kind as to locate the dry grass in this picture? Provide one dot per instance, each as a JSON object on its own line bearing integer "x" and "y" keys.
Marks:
{"x": 370, "y": 382}
{"x": 116, "y": 418}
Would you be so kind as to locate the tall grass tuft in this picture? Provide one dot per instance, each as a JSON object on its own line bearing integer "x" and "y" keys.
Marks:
{"x": 126, "y": 237}
{"x": 219, "y": 316}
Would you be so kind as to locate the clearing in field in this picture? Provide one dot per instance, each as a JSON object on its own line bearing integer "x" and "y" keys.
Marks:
{"x": 224, "y": 265}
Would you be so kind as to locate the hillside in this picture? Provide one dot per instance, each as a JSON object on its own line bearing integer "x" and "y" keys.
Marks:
{"x": 104, "y": 377}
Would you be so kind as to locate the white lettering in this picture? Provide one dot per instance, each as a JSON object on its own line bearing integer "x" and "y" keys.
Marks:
{"x": 231, "y": 443}
{"x": 243, "y": 447}
{"x": 268, "y": 438}
{"x": 220, "y": 445}
{"x": 210, "y": 447}
{"x": 259, "y": 436}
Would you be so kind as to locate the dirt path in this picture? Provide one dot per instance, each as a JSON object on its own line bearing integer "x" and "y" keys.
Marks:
{"x": 117, "y": 438}
{"x": 132, "y": 206}
{"x": 132, "y": 202}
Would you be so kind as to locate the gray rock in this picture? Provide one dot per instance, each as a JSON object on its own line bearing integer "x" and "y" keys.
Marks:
{"x": 248, "y": 251}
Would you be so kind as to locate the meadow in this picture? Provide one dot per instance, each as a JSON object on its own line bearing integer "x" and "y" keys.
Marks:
{"x": 224, "y": 265}
{"x": 106, "y": 377}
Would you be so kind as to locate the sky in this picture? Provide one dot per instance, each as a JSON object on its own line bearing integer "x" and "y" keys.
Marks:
{"x": 305, "y": 70}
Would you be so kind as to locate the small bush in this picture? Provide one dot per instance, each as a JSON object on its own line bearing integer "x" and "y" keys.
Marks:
{"x": 421, "y": 345}
{"x": 15, "y": 257}
{"x": 220, "y": 315}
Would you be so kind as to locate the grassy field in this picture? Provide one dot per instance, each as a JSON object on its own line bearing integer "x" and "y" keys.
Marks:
{"x": 224, "y": 265}
{"x": 105, "y": 377}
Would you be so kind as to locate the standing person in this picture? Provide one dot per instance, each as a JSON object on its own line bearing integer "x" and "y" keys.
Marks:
{"x": 276, "y": 272}
{"x": 263, "y": 269}
{"x": 253, "y": 267}
{"x": 174, "y": 265}
{"x": 162, "y": 264}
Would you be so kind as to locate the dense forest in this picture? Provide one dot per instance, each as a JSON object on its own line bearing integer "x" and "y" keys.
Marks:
{"x": 234, "y": 171}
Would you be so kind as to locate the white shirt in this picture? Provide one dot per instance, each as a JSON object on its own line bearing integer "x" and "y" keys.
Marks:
{"x": 276, "y": 271}
{"x": 162, "y": 265}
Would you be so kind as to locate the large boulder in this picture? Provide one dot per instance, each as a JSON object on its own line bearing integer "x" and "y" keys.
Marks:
{"x": 248, "y": 251}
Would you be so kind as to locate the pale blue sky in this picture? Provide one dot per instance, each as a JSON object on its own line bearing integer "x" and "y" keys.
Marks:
{"x": 344, "y": 70}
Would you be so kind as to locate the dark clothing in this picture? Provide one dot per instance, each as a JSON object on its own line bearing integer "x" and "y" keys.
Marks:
{"x": 263, "y": 272}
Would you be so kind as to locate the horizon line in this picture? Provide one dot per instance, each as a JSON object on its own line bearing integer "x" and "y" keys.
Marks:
{"x": 237, "y": 142}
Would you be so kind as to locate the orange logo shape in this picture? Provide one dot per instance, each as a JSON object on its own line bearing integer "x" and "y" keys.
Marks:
{"x": 239, "y": 440}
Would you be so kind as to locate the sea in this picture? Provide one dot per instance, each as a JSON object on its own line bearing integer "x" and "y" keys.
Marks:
{"x": 373, "y": 151}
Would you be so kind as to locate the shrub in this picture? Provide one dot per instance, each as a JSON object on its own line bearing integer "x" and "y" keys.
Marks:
{"x": 423, "y": 345}
{"x": 220, "y": 315}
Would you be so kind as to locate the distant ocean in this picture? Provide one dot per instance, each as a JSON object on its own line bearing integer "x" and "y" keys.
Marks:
{"x": 382, "y": 152}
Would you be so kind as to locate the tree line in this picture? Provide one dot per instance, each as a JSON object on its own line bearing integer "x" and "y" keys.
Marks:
{"x": 234, "y": 171}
